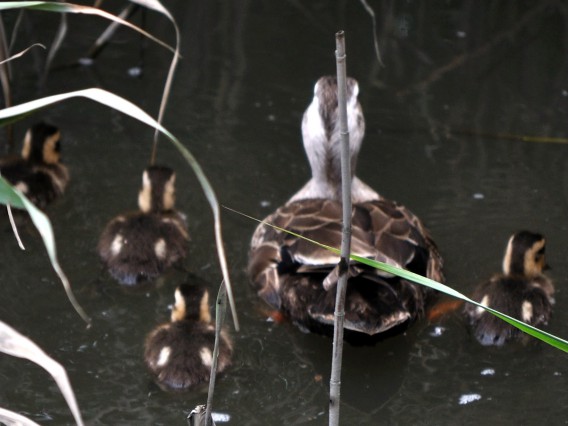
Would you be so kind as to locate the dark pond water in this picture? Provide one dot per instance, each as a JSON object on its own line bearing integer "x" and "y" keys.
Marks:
{"x": 457, "y": 74}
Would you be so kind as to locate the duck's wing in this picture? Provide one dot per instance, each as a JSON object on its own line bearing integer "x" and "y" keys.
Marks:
{"x": 402, "y": 237}
{"x": 381, "y": 230}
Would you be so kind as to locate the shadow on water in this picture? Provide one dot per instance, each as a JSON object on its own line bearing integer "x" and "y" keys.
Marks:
{"x": 457, "y": 73}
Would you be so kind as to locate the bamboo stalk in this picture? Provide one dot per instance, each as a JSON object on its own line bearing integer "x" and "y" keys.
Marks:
{"x": 339, "y": 316}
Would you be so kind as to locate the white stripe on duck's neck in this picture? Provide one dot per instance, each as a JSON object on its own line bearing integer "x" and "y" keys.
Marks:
{"x": 322, "y": 143}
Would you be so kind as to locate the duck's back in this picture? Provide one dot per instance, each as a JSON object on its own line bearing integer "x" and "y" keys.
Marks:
{"x": 180, "y": 354}
{"x": 527, "y": 300}
{"x": 291, "y": 273}
{"x": 42, "y": 184}
{"x": 139, "y": 246}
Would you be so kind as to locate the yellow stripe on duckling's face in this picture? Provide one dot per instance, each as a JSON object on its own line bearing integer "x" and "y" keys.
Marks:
{"x": 51, "y": 153}
{"x": 204, "y": 313}
{"x": 179, "y": 309}
{"x": 145, "y": 194}
{"x": 27, "y": 147}
{"x": 170, "y": 193}
{"x": 534, "y": 259}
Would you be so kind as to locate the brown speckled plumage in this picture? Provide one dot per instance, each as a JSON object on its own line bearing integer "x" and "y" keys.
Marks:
{"x": 299, "y": 277}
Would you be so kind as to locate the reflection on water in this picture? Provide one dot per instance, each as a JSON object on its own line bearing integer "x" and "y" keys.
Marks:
{"x": 456, "y": 74}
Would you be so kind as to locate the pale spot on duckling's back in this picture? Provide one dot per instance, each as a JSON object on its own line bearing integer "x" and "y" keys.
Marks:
{"x": 160, "y": 249}
{"x": 22, "y": 187}
{"x": 51, "y": 153}
{"x": 117, "y": 244}
{"x": 164, "y": 356}
{"x": 206, "y": 356}
{"x": 527, "y": 310}
{"x": 485, "y": 302}
{"x": 145, "y": 194}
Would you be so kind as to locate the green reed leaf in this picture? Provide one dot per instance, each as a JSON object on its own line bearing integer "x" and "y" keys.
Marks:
{"x": 48, "y": 6}
{"x": 11, "y": 196}
{"x": 552, "y": 340}
{"x": 15, "y": 344}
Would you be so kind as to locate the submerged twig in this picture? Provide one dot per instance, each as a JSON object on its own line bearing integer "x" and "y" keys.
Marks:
{"x": 5, "y": 77}
{"x": 108, "y": 33}
{"x": 459, "y": 60}
{"x": 57, "y": 41}
{"x": 371, "y": 12}
{"x": 339, "y": 316}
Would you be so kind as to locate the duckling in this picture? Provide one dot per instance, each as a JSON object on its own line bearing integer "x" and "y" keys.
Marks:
{"x": 140, "y": 245}
{"x": 521, "y": 291}
{"x": 38, "y": 172}
{"x": 299, "y": 278}
{"x": 179, "y": 353}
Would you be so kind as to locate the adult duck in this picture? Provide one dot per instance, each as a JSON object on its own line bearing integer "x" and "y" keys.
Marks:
{"x": 300, "y": 278}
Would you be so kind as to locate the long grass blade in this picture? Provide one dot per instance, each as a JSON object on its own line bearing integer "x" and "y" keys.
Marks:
{"x": 22, "y": 53}
{"x": 546, "y": 337}
{"x": 12, "y": 197}
{"x": 14, "y": 227}
{"x": 47, "y": 6}
{"x": 14, "y": 419}
{"x": 15, "y": 344}
{"x": 5, "y": 77}
{"x": 55, "y": 45}
{"x": 107, "y": 34}
{"x": 220, "y": 310}
{"x": 158, "y": 7}
{"x": 109, "y": 99}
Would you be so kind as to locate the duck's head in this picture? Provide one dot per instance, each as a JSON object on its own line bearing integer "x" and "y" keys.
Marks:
{"x": 525, "y": 254}
{"x": 321, "y": 129}
{"x": 191, "y": 303}
{"x": 158, "y": 189}
{"x": 42, "y": 144}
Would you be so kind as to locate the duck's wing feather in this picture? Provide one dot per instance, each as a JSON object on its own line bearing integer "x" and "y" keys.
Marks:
{"x": 381, "y": 230}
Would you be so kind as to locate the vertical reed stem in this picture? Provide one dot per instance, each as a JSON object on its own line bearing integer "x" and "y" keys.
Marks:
{"x": 220, "y": 309}
{"x": 335, "y": 381}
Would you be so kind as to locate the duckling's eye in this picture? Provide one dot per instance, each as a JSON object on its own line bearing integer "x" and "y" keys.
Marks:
{"x": 57, "y": 146}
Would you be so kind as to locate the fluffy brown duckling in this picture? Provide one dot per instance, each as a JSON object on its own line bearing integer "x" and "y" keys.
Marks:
{"x": 179, "y": 354}
{"x": 141, "y": 245}
{"x": 38, "y": 172}
{"x": 521, "y": 291}
{"x": 299, "y": 278}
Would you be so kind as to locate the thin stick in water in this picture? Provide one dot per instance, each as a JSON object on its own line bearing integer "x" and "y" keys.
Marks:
{"x": 335, "y": 381}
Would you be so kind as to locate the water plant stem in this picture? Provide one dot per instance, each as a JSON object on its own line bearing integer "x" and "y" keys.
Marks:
{"x": 220, "y": 309}
{"x": 339, "y": 315}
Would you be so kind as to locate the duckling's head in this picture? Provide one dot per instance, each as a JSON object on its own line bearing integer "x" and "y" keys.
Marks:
{"x": 192, "y": 303}
{"x": 158, "y": 189}
{"x": 321, "y": 129}
{"x": 525, "y": 254}
{"x": 42, "y": 144}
